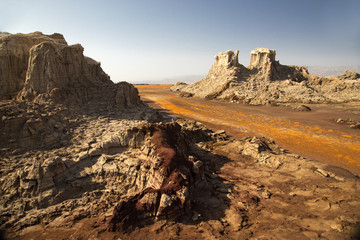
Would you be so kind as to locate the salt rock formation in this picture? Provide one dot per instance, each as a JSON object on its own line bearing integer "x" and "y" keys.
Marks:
{"x": 227, "y": 59}
{"x": 41, "y": 68}
{"x": 225, "y": 70}
{"x": 52, "y": 82}
{"x": 261, "y": 57}
{"x": 62, "y": 73}
{"x": 265, "y": 68}
{"x": 27, "y": 126}
{"x": 14, "y": 58}
{"x": 266, "y": 81}
{"x": 58, "y": 66}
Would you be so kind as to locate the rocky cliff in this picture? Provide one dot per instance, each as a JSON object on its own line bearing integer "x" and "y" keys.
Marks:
{"x": 58, "y": 67}
{"x": 266, "y": 81}
{"x": 37, "y": 67}
{"x": 50, "y": 82}
{"x": 224, "y": 71}
{"x": 261, "y": 57}
{"x": 56, "y": 100}
{"x": 14, "y": 58}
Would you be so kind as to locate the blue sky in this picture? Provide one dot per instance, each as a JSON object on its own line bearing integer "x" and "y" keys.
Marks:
{"x": 140, "y": 41}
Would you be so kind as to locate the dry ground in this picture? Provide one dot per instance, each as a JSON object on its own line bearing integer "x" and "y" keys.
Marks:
{"x": 249, "y": 198}
{"x": 314, "y": 134}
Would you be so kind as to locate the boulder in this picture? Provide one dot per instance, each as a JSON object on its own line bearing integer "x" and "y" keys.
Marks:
{"x": 302, "y": 108}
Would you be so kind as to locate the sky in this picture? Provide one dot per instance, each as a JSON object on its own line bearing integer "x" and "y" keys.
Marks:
{"x": 156, "y": 40}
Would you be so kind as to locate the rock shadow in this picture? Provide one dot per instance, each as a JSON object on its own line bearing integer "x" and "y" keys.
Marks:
{"x": 165, "y": 114}
{"x": 210, "y": 197}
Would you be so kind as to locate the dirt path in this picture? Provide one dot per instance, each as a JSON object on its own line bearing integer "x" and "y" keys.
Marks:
{"x": 312, "y": 134}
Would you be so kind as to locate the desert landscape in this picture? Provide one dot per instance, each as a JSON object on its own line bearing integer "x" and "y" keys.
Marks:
{"x": 267, "y": 151}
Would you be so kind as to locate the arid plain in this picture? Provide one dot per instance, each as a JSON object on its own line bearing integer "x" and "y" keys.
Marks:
{"x": 316, "y": 134}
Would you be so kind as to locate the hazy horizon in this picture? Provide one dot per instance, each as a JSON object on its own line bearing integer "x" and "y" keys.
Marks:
{"x": 139, "y": 41}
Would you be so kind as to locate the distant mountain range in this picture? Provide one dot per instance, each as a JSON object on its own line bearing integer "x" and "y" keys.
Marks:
{"x": 324, "y": 71}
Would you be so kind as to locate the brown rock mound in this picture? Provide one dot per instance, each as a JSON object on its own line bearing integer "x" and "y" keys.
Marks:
{"x": 169, "y": 194}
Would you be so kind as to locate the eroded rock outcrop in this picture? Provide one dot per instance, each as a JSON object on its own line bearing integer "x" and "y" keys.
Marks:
{"x": 167, "y": 179}
{"x": 261, "y": 57}
{"x": 225, "y": 70}
{"x": 266, "y": 81}
{"x": 61, "y": 67}
{"x": 50, "y": 83}
{"x": 146, "y": 172}
{"x": 166, "y": 193}
{"x": 41, "y": 68}
{"x": 14, "y": 58}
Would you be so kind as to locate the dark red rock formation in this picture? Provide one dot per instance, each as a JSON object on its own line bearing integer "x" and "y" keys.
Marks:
{"x": 175, "y": 177}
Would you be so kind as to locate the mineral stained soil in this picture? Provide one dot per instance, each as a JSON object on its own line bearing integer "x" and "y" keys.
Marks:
{"x": 315, "y": 134}
{"x": 261, "y": 196}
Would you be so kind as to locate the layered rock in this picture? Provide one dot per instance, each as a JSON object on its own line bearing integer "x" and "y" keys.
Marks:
{"x": 61, "y": 67}
{"x": 61, "y": 73}
{"x": 14, "y": 58}
{"x": 29, "y": 126}
{"x": 261, "y": 57}
{"x": 266, "y": 81}
{"x": 167, "y": 179}
{"x": 225, "y": 70}
{"x": 50, "y": 83}
{"x": 166, "y": 192}
{"x": 41, "y": 68}
{"x": 148, "y": 172}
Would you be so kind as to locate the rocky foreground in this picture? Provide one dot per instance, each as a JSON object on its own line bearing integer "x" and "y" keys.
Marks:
{"x": 266, "y": 81}
{"x": 83, "y": 158}
{"x": 177, "y": 180}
